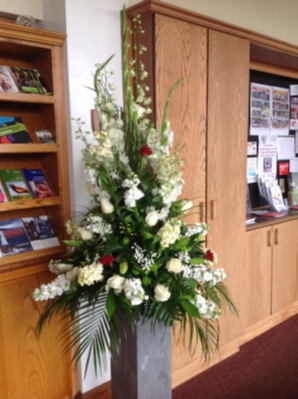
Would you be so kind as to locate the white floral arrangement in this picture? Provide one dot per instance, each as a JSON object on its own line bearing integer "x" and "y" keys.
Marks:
{"x": 133, "y": 254}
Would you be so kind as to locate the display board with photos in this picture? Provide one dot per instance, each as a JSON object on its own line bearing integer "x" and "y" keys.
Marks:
{"x": 272, "y": 145}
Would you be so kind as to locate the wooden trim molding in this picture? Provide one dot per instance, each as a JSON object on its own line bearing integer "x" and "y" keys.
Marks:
{"x": 101, "y": 392}
{"x": 157, "y": 6}
{"x": 36, "y": 35}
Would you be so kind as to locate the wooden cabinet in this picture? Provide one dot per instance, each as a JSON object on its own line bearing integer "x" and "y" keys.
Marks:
{"x": 180, "y": 51}
{"x": 284, "y": 242}
{"x": 213, "y": 174}
{"x": 271, "y": 271}
{"x": 29, "y": 366}
{"x": 258, "y": 269}
{"x": 228, "y": 62}
{"x": 209, "y": 115}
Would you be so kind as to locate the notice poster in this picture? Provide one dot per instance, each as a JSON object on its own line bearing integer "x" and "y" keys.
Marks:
{"x": 280, "y": 111}
{"x": 267, "y": 155}
{"x": 286, "y": 147}
{"x": 294, "y": 113}
{"x": 269, "y": 110}
{"x": 259, "y": 109}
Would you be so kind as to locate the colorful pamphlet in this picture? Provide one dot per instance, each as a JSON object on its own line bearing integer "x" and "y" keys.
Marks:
{"x": 16, "y": 186}
{"x": 13, "y": 131}
{"x": 13, "y": 238}
{"x": 38, "y": 183}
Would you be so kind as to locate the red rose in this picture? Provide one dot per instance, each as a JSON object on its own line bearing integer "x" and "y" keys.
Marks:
{"x": 107, "y": 260}
{"x": 209, "y": 255}
{"x": 145, "y": 150}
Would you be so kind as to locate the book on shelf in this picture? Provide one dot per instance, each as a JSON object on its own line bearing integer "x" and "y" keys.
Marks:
{"x": 13, "y": 238}
{"x": 3, "y": 196}
{"x": 13, "y": 131}
{"x": 25, "y": 80}
{"x": 40, "y": 232}
{"x": 16, "y": 185}
{"x": 7, "y": 82}
{"x": 43, "y": 86}
{"x": 44, "y": 136}
{"x": 38, "y": 183}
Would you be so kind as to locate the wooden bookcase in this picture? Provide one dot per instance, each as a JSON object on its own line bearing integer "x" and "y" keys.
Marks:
{"x": 29, "y": 365}
{"x": 209, "y": 114}
{"x": 34, "y": 48}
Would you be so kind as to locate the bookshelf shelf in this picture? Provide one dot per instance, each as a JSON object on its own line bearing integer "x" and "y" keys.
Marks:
{"x": 28, "y": 148}
{"x": 27, "y": 98}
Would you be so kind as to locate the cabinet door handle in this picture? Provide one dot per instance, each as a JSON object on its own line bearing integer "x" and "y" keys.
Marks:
{"x": 212, "y": 209}
{"x": 276, "y": 237}
{"x": 269, "y": 238}
{"x": 201, "y": 211}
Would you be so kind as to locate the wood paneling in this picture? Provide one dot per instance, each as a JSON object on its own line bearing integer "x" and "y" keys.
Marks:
{"x": 285, "y": 265}
{"x": 30, "y": 367}
{"x": 258, "y": 269}
{"x": 181, "y": 52}
{"x": 228, "y": 83}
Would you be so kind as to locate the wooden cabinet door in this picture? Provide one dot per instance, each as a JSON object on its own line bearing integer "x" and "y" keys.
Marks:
{"x": 31, "y": 367}
{"x": 285, "y": 265}
{"x": 228, "y": 84}
{"x": 180, "y": 52}
{"x": 258, "y": 266}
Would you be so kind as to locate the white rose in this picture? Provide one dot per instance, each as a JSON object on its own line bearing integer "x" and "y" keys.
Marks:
{"x": 162, "y": 293}
{"x": 152, "y": 218}
{"x": 73, "y": 273}
{"x": 174, "y": 265}
{"x": 85, "y": 233}
{"x": 116, "y": 282}
{"x": 106, "y": 206}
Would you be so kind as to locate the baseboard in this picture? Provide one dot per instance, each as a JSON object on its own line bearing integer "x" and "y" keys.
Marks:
{"x": 269, "y": 322}
{"x": 102, "y": 391}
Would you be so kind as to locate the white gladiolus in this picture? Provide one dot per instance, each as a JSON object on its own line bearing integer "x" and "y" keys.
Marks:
{"x": 152, "y": 218}
{"x": 186, "y": 205}
{"x": 49, "y": 291}
{"x": 161, "y": 293}
{"x": 106, "y": 206}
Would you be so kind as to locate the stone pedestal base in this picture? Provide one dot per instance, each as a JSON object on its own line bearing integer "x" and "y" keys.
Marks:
{"x": 143, "y": 368}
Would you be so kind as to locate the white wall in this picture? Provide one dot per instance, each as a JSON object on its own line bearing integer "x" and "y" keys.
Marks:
{"x": 93, "y": 35}
{"x": 93, "y": 30}
{"x": 22, "y": 7}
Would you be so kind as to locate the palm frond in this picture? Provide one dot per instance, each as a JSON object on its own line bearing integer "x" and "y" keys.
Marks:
{"x": 89, "y": 331}
{"x": 225, "y": 296}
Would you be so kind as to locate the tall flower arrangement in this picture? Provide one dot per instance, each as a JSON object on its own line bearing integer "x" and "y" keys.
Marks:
{"x": 133, "y": 254}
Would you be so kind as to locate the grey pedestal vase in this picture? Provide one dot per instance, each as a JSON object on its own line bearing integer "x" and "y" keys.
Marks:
{"x": 143, "y": 367}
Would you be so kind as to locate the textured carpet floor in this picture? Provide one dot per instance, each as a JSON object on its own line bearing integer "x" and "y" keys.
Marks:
{"x": 264, "y": 368}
